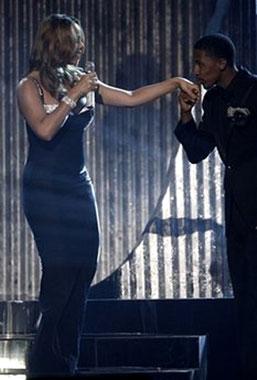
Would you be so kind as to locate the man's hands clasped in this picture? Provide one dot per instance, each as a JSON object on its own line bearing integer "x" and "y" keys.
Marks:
{"x": 189, "y": 95}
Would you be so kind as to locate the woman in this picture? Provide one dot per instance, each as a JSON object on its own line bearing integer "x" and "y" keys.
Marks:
{"x": 58, "y": 197}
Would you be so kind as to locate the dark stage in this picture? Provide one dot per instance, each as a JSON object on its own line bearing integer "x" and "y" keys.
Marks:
{"x": 155, "y": 339}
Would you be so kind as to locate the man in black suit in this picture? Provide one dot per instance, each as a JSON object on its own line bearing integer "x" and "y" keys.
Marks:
{"x": 229, "y": 123}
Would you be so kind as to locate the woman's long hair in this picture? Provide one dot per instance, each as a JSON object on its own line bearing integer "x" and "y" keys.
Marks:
{"x": 53, "y": 50}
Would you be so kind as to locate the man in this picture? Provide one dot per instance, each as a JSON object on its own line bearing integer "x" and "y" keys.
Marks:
{"x": 229, "y": 123}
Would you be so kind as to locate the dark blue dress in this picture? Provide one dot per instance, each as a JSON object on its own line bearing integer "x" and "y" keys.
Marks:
{"x": 59, "y": 204}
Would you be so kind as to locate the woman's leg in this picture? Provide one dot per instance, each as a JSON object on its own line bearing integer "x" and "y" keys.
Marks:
{"x": 63, "y": 293}
{"x": 65, "y": 229}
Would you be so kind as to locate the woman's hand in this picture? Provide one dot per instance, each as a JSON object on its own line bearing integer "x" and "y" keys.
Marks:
{"x": 84, "y": 84}
{"x": 189, "y": 88}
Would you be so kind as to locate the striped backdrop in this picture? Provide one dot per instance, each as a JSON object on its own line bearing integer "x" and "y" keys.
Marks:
{"x": 143, "y": 181}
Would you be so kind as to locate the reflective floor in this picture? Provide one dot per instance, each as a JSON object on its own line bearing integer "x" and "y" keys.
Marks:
{"x": 12, "y": 377}
{"x": 12, "y": 359}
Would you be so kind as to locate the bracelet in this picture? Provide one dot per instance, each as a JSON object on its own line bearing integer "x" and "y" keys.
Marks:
{"x": 66, "y": 99}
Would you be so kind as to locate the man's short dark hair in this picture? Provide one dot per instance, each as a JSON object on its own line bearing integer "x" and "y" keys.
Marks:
{"x": 217, "y": 45}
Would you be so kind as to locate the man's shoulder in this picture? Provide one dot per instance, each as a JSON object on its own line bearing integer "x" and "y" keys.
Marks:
{"x": 245, "y": 71}
{"x": 246, "y": 77}
{"x": 245, "y": 80}
{"x": 248, "y": 84}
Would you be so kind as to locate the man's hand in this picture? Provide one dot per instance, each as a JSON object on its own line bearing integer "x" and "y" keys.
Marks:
{"x": 189, "y": 88}
{"x": 186, "y": 105}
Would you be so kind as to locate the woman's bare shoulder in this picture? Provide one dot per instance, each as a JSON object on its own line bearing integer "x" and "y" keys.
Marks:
{"x": 28, "y": 84}
{"x": 25, "y": 84}
{"x": 28, "y": 80}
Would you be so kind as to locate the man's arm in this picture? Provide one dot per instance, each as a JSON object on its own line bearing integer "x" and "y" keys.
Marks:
{"x": 198, "y": 143}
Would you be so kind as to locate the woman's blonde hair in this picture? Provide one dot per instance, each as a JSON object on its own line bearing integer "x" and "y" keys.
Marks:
{"x": 53, "y": 49}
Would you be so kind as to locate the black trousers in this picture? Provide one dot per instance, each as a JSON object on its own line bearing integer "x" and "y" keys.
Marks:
{"x": 242, "y": 259}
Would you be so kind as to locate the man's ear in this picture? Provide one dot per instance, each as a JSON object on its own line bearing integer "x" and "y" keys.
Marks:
{"x": 222, "y": 64}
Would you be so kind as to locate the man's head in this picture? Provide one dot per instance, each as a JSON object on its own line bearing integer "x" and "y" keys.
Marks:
{"x": 214, "y": 59}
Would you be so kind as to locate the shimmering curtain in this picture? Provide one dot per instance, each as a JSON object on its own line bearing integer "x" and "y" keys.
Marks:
{"x": 141, "y": 177}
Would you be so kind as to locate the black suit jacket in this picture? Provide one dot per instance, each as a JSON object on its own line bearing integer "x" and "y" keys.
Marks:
{"x": 236, "y": 144}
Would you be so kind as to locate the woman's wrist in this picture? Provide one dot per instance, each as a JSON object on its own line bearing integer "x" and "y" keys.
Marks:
{"x": 69, "y": 101}
{"x": 177, "y": 82}
{"x": 74, "y": 94}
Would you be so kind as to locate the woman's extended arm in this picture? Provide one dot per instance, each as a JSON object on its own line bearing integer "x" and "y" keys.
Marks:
{"x": 119, "y": 97}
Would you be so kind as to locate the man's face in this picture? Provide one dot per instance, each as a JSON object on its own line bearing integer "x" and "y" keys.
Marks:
{"x": 207, "y": 69}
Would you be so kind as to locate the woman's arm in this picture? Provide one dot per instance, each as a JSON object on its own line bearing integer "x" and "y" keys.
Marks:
{"x": 44, "y": 125}
{"x": 119, "y": 97}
